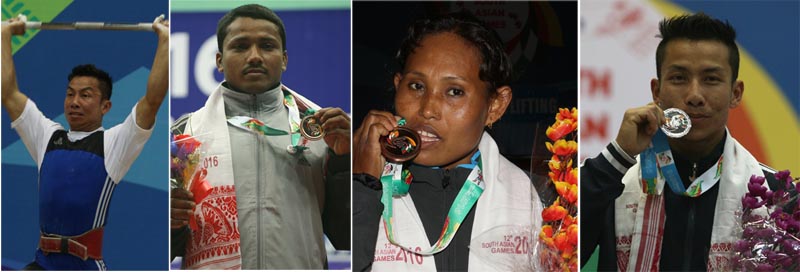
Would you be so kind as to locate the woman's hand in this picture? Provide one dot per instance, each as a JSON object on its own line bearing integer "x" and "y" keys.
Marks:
{"x": 367, "y": 158}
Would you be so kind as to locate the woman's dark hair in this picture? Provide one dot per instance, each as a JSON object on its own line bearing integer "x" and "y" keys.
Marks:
{"x": 495, "y": 65}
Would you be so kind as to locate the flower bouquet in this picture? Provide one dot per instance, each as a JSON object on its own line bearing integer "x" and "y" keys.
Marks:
{"x": 769, "y": 239}
{"x": 559, "y": 234}
{"x": 187, "y": 153}
{"x": 553, "y": 246}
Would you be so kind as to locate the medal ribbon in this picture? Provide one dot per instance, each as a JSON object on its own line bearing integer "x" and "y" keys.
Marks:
{"x": 396, "y": 181}
{"x": 256, "y": 126}
{"x": 658, "y": 164}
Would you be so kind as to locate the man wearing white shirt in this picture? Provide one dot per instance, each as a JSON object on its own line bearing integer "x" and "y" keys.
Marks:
{"x": 80, "y": 167}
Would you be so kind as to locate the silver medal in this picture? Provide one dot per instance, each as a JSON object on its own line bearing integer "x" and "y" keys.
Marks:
{"x": 678, "y": 123}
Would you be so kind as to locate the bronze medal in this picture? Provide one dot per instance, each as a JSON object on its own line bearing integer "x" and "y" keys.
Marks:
{"x": 402, "y": 144}
{"x": 311, "y": 128}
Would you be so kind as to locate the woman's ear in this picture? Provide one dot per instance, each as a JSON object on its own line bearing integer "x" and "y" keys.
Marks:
{"x": 498, "y": 104}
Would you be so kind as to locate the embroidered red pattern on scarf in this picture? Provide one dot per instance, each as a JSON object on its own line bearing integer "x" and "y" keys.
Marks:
{"x": 719, "y": 257}
{"x": 623, "y": 252}
{"x": 217, "y": 240}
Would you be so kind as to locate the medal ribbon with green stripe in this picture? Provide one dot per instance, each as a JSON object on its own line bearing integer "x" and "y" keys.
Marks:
{"x": 258, "y": 127}
{"x": 396, "y": 181}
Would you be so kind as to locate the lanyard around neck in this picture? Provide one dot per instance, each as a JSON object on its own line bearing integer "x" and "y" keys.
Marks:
{"x": 658, "y": 164}
{"x": 256, "y": 126}
{"x": 396, "y": 182}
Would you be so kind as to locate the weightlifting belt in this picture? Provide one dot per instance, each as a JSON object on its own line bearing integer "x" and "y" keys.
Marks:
{"x": 84, "y": 246}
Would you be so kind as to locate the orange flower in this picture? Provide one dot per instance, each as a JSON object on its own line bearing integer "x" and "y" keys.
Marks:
{"x": 547, "y": 231}
{"x": 560, "y": 240}
{"x": 567, "y": 114}
{"x": 568, "y": 252}
{"x": 546, "y": 235}
{"x": 568, "y": 221}
{"x": 560, "y": 233}
{"x": 555, "y": 164}
{"x": 548, "y": 241}
{"x": 556, "y": 175}
{"x": 560, "y": 128}
{"x": 562, "y": 147}
{"x": 562, "y": 188}
{"x": 554, "y": 212}
{"x": 572, "y": 176}
{"x": 562, "y": 243}
{"x": 567, "y": 191}
{"x": 566, "y": 174}
{"x": 572, "y": 234}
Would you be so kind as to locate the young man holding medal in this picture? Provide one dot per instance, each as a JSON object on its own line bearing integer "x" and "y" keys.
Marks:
{"x": 79, "y": 168}
{"x": 280, "y": 171}
{"x": 639, "y": 223}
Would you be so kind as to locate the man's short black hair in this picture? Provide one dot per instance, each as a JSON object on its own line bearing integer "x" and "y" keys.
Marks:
{"x": 698, "y": 27}
{"x": 254, "y": 11}
{"x": 91, "y": 71}
{"x": 495, "y": 65}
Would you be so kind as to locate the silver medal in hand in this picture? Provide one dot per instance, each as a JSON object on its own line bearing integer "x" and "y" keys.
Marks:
{"x": 678, "y": 123}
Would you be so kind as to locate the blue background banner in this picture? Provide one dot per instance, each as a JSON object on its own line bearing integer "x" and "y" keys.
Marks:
{"x": 317, "y": 42}
{"x": 136, "y": 235}
{"x": 770, "y": 41}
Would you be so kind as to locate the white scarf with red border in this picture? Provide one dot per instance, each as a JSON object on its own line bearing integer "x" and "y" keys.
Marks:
{"x": 506, "y": 201}
{"x": 216, "y": 244}
{"x": 639, "y": 217}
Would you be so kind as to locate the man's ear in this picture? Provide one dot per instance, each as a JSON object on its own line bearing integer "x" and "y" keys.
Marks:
{"x": 285, "y": 60}
{"x": 105, "y": 106}
{"x": 737, "y": 93}
{"x": 219, "y": 63}
{"x": 655, "y": 90}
